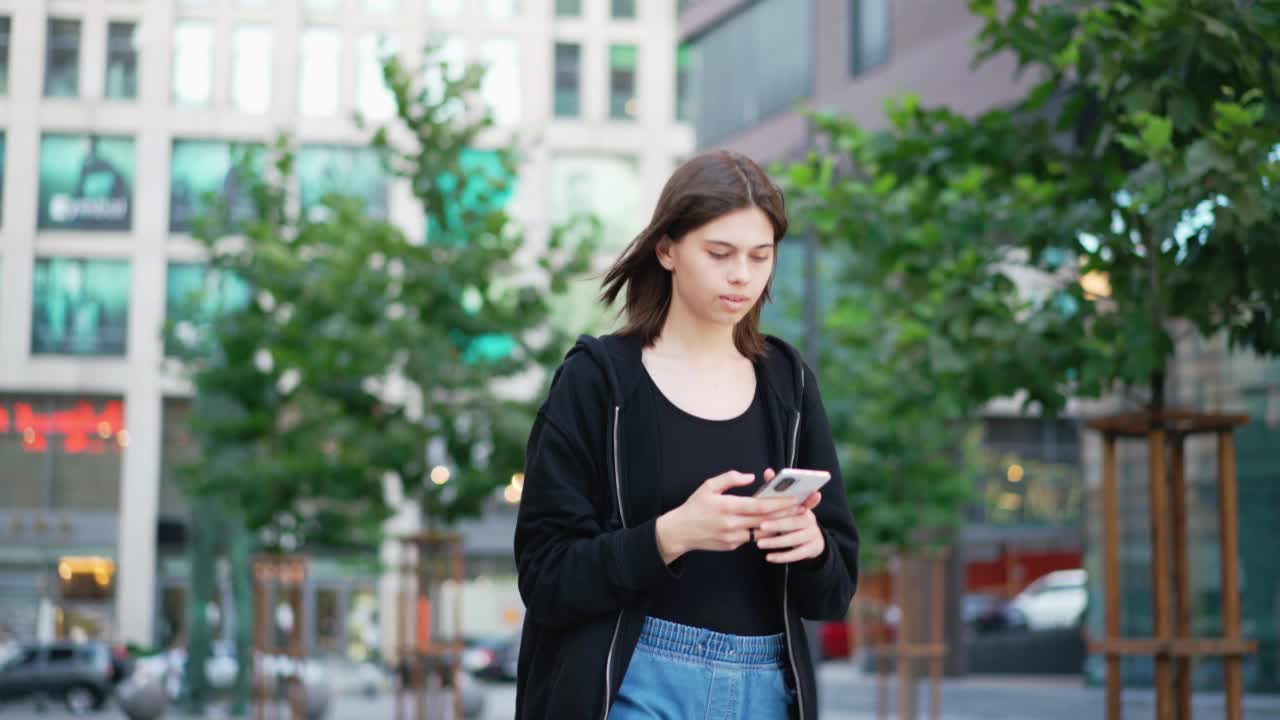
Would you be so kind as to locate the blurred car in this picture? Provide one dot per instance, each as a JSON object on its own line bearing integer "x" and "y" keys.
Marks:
{"x": 493, "y": 658}
{"x": 82, "y": 675}
{"x": 1054, "y": 601}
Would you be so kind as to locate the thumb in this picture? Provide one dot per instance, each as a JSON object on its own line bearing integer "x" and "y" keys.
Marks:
{"x": 726, "y": 480}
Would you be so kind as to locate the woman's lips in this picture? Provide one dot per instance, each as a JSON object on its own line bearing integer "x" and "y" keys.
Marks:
{"x": 734, "y": 301}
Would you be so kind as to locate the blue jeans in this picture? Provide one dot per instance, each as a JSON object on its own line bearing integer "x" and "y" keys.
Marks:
{"x": 680, "y": 672}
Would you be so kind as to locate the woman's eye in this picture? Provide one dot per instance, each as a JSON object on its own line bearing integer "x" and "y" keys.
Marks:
{"x": 760, "y": 258}
{"x": 719, "y": 256}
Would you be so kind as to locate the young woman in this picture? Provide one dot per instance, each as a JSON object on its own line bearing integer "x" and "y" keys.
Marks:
{"x": 655, "y": 585}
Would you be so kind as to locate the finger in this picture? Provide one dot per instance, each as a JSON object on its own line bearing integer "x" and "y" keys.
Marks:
{"x": 756, "y": 506}
{"x": 784, "y": 513}
{"x": 787, "y": 524}
{"x": 787, "y": 540}
{"x": 768, "y": 474}
{"x": 804, "y": 552}
{"x": 812, "y": 501}
{"x": 734, "y": 539}
{"x": 727, "y": 480}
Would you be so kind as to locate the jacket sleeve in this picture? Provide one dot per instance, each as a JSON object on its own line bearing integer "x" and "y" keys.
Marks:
{"x": 570, "y": 569}
{"x": 823, "y": 586}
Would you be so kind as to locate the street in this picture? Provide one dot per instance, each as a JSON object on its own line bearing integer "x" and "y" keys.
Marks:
{"x": 846, "y": 695}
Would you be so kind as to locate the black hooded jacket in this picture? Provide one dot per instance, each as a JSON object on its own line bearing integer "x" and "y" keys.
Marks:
{"x": 586, "y": 545}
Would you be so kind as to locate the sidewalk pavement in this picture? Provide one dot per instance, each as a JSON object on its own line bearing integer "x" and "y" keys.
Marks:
{"x": 848, "y": 694}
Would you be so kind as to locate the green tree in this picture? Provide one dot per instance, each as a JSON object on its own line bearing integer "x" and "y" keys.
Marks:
{"x": 1154, "y": 125}
{"x": 365, "y": 358}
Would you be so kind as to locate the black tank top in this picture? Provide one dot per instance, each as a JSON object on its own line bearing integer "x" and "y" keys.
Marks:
{"x": 729, "y": 592}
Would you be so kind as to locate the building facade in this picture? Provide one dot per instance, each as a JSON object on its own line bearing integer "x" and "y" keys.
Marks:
{"x": 116, "y": 117}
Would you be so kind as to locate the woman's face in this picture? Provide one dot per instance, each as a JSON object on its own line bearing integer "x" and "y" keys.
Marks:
{"x": 720, "y": 269}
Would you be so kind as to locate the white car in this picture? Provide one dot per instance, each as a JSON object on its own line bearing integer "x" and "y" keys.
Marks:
{"x": 1054, "y": 601}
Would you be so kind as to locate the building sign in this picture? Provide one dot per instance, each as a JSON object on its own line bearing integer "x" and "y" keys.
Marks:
{"x": 86, "y": 182}
{"x": 84, "y": 427}
{"x": 203, "y": 169}
{"x": 354, "y": 172}
{"x": 80, "y": 306}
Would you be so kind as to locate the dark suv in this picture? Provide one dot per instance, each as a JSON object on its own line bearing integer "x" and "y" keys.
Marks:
{"x": 81, "y": 674}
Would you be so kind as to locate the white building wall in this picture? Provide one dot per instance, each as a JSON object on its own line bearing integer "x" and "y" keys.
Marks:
{"x": 654, "y": 139}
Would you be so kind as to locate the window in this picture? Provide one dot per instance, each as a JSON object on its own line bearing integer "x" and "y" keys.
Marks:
{"x": 869, "y": 40}
{"x": 568, "y": 8}
{"x": 684, "y": 63}
{"x": 622, "y": 82}
{"x": 62, "y": 59}
{"x": 450, "y": 61}
{"x": 321, "y": 5}
{"x": 251, "y": 69}
{"x": 122, "y": 61}
{"x": 622, "y": 9}
{"x": 604, "y": 185}
{"x": 730, "y": 49}
{"x": 86, "y": 183}
{"x": 80, "y": 307}
{"x": 381, "y": 6}
{"x": 4, "y": 55}
{"x": 319, "y": 72}
{"x": 445, "y": 8}
{"x": 192, "y": 63}
{"x": 199, "y": 168}
{"x": 568, "y": 79}
{"x": 503, "y": 8}
{"x": 374, "y": 100}
{"x": 353, "y": 172}
{"x": 195, "y": 296}
{"x": 501, "y": 87}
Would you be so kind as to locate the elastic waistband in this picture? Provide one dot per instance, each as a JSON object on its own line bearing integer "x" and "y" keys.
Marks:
{"x": 697, "y": 643}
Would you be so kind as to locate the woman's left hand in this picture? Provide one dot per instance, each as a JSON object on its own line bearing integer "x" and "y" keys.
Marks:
{"x": 793, "y": 534}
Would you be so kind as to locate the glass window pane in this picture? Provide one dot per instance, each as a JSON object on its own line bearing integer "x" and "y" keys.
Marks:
{"x": 622, "y": 82}
{"x": 450, "y": 58}
{"x": 62, "y": 59}
{"x": 192, "y": 63}
{"x": 684, "y": 64}
{"x": 320, "y": 72}
{"x": 122, "y": 61}
{"x": 623, "y": 9}
{"x": 503, "y": 8}
{"x": 501, "y": 88}
{"x": 86, "y": 183}
{"x": 200, "y": 168}
{"x": 780, "y": 78}
{"x": 356, "y": 173}
{"x": 4, "y": 55}
{"x": 445, "y": 8}
{"x": 374, "y": 100}
{"x": 251, "y": 69}
{"x": 568, "y": 8}
{"x": 870, "y": 34}
{"x": 607, "y": 186}
{"x": 80, "y": 307}
{"x": 568, "y": 82}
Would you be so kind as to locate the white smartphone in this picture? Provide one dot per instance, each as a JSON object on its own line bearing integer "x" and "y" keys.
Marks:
{"x": 794, "y": 482}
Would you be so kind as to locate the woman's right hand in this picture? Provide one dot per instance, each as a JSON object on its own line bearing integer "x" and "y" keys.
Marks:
{"x": 713, "y": 520}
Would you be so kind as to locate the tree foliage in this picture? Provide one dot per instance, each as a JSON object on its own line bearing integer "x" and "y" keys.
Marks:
{"x": 367, "y": 357}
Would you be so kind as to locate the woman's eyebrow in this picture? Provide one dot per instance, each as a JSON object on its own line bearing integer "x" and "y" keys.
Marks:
{"x": 735, "y": 247}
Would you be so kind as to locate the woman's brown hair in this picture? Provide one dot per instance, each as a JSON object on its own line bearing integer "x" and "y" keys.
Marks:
{"x": 704, "y": 188}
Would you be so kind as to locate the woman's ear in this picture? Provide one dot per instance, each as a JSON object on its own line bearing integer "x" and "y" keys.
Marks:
{"x": 663, "y": 251}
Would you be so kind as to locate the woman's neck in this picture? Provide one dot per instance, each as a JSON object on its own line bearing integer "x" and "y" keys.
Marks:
{"x": 685, "y": 336}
